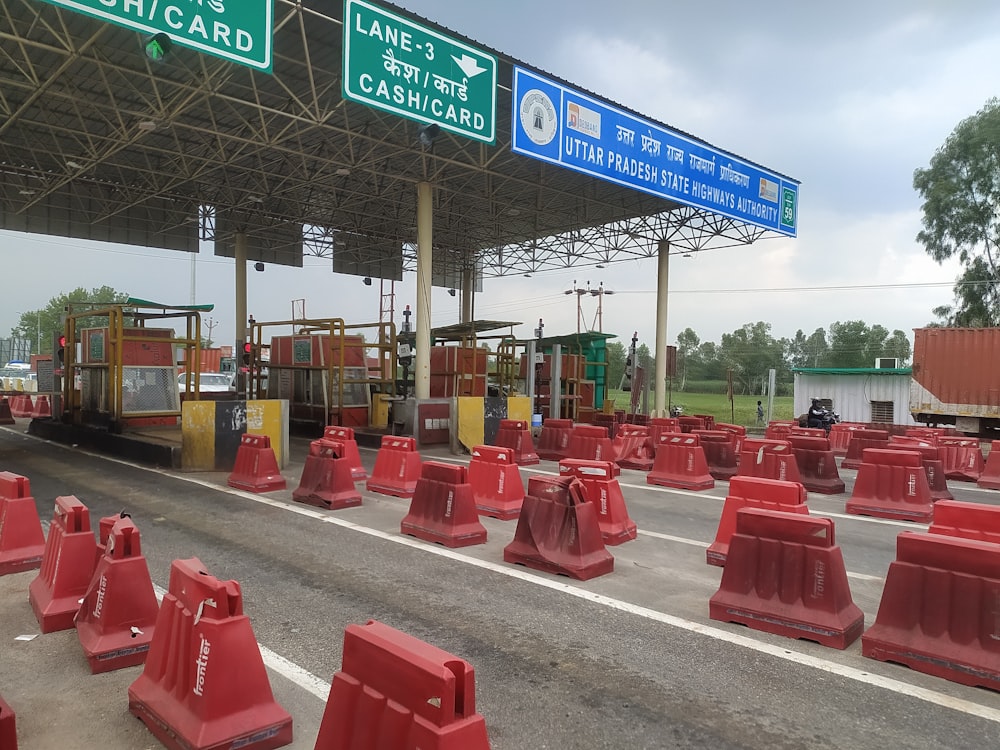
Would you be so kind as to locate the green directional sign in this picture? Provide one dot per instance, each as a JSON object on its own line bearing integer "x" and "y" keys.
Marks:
{"x": 237, "y": 30}
{"x": 394, "y": 64}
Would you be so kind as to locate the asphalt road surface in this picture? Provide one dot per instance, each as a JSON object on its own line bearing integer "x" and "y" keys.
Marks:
{"x": 628, "y": 660}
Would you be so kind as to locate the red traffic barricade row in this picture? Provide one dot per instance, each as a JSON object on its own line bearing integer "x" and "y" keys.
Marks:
{"x": 496, "y": 482}
{"x": 753, "y": 492}
{"x": 256, "y": 467}
{"x": 395, "y": 691}
{"x": 516, "y": 435}
{"x": 933, "y": 466}
{"x": 397, "y": 467}
{"x": 204, "y": 685}
{"x": 443, "y": 509}
{"x": 891, "y": 484}
{"x": 840, "y": 435}
{"x": 786, "y": 575}
{"x": 557, "y": 531}
{"x": 601, "y": 488}
{"x": 22, "y": 542}
{"x": 117, "y": 615}
{"x": 680, "y": 462}
{"x": 590, "y": 442}
{"x": 67, "y": 566}
{"x": 938, "y": 609}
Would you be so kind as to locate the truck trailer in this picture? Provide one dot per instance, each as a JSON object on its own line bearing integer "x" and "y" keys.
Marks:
{"x": 956, "y": 379}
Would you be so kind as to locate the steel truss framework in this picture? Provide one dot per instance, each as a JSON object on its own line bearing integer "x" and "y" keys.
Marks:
{"x": 97, "y": 142}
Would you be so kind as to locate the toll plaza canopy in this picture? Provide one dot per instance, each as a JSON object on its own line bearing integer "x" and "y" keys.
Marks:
{"x": 100, "y": 142}
{"x": 349, "y": 130}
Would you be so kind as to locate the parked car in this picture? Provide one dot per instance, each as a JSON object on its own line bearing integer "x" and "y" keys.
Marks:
{"x": 210, "y": 382}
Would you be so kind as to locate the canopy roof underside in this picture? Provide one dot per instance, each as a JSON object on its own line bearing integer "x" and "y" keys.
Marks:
{"x": 98, "y": 143}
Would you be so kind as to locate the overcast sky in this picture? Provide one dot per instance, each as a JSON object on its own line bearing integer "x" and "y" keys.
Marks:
{"x": 847, "y": 98}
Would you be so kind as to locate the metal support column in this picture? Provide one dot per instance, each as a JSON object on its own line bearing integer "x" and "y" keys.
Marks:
{"x": 662, "y": 277}
{"x": 240, "y": 328}
{"x": 425, "y": 234}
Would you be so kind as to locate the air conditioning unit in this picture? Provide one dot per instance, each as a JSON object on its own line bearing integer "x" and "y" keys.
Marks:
{"x": 886, "y": 363}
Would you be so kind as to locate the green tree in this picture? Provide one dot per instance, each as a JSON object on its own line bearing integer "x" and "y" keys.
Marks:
{"x": 687, "y": 348}
{"x": 807, "y": 351}
{"x": 961, "y": 194}
{"x": 48, "y": 320}
{"x": 856, "y": 344}
{"x": 751, "y": 351}
{"x": 616, "y": 363}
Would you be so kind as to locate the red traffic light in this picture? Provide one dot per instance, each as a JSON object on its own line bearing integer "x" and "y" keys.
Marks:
{"x": 62, "y": 340}
{"x": 247, "y": 348}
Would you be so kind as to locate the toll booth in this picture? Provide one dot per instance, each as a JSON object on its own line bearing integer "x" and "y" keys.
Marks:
{"x": 573, "y": 370}
{"x": 325, "y": 372}
{"x": 122, "y": 374}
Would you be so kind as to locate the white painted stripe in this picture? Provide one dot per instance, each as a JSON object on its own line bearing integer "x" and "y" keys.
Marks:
{"x": 278, "y": 663}
{"x": 776, "y": 651}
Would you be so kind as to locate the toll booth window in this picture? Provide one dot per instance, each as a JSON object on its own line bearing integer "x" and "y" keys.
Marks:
{"x": 149, "y": 389}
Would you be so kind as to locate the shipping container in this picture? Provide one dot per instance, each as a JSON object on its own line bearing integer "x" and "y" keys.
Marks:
{"x": 956, "y": 378}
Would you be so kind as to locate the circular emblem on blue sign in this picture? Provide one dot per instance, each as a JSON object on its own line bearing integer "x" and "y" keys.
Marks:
{"x": 538, "y": 117}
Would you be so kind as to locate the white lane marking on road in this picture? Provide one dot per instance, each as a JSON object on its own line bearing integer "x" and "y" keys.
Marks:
{"x": 278, "y": 663}
{"x": 316, "y": 686}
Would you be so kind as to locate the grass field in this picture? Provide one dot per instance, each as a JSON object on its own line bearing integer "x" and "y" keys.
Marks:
{"x": 742, "y": 411}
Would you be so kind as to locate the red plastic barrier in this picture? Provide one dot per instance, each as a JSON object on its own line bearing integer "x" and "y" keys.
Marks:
{"x": 892, "y": 484}
{"x": 516, "y": 435}
{"x": 602, "y": 489}
{"x": 966, "y": 520}
{"x": 739, "y": 433}
{"x": 938, "y": 609}
{"x": 753, "y": 492}
{"x": 933, "y": 466}
{"x": 557, "y": 531}
{"x": 786, "y": 576}
{"x": 659, "y": 425}
{"x": 256, "y": 468}
{"x": 813, "y": 432}
{"x": 962, "y": 457}
{"x": 817, "y": 463}
{"x": 860, "y": 440}
{"x": 768, "y": 459}
{"x": 840, "y": 435}
{"x": 42, "y": 409}
{"x": 778, "y": 430}
{"x": 5, "y": 416}
{"x": 67, "y": 566}
{"x": 590, "y": 442}
{"x": 345, "y": 436}
{"x": 708, "y": 419}
{"x": 22, "y": 542}
{"x": 395, "y": 691}
{"x": 327, "y": 480}
{"x": 497, "y": 488}
{"x": 633, "y": 447}
{"x": 930, "y": 433}
{"x": 720, "y": 452}
{"x": 553, "y": 441}
{"x": 687, "y": 424}
{"x": 204, "y": 685}
{"x": 8, "y": 727}
{"x": 443, "y": 509}
{"x": 680, "y": 462}
{"x": 117, "y": 616}
{"x": 397, "y": 467}
{"x": 22, "y": 406}
{"x": 990, "y": 477}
